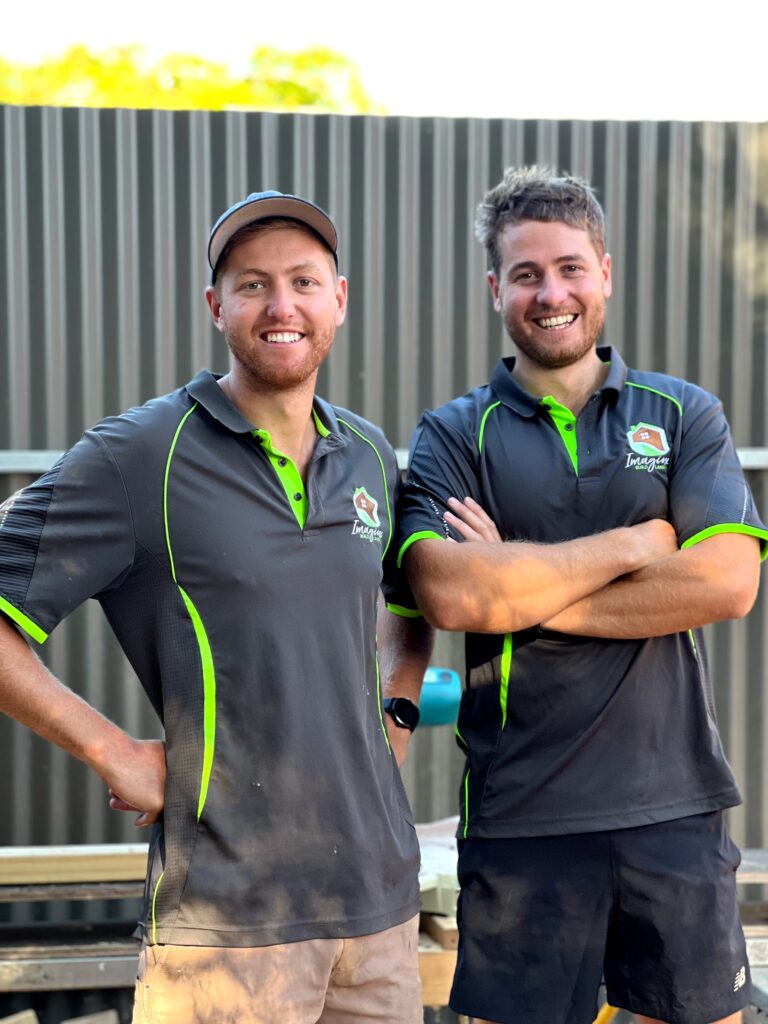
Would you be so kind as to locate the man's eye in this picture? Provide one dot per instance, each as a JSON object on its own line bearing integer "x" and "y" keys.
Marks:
{"x": 305, "y": 282}
{"x": 523, "y": 276}
{"x": 253, "y": 285}
{"x": 572, "y": 268}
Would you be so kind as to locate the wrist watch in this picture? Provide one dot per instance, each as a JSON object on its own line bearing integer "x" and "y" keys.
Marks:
{"x": 403, "y": 712}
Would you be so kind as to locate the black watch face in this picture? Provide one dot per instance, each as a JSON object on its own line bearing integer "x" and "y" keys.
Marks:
{"x": 404, "y": 712}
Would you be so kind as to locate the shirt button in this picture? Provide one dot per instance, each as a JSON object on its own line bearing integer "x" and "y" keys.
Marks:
{"x": 297, "y": 497}
{"x": 569, "y": 426}
{"x": 282, "y": 462}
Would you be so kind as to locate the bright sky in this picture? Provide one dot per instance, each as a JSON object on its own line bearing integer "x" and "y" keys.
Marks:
{"x": 655, "y": 59}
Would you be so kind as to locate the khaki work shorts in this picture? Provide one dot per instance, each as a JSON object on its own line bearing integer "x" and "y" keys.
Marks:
{"x": 318, "y": 981}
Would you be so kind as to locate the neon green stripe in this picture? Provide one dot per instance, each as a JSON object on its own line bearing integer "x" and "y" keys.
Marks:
{"x": 383, "y": 477}
{"x": 482, "y": 425}
{"x": 24, "y": 621}
{"x": 404, "y": 613}
{"x": 209, "y": 699}
{"x": 456, "y": 730}
{"x": 692, "y": 638}
{"x": 378, "y": 698}
{"x": 713, "y": 531}
{"x": 206, "y": 657}
{"x": 644, "y": 387}
{"x": 154, "y": 901}
{"x": 565, "y": 422}
{"x": 506, "y": 665}
{"x": 422, "y": 535}
{"x": 165, "y": 487}
{"x": 466, "y": 803}
{"x": 322, "y": 430}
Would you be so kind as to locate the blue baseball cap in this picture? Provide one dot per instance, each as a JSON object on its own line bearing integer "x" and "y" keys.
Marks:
{"x": 258, "y": 206}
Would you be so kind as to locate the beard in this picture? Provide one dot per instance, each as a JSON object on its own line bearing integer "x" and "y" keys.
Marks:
{"x": 547, "y": 353}
{"x": 281, "y": 373}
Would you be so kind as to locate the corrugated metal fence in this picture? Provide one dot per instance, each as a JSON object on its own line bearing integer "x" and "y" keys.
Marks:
{"x": 104, "y": 217}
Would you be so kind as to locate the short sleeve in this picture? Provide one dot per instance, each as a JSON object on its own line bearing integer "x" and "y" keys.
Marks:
{"x": 65, "y": 538}
{"x": 395, "y": 587}
{"x": 708, "y": 493}
{"x": 443, "y": 464}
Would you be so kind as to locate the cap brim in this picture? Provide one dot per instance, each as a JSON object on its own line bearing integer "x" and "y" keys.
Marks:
{"x": 271, "y": 206}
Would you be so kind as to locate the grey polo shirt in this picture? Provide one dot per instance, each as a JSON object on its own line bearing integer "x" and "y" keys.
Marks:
{"x": 247, "y": 606}
{"x": 573, "y": 734}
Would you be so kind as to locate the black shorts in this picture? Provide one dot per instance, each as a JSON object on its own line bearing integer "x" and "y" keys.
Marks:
{"x": 653, "y": 909}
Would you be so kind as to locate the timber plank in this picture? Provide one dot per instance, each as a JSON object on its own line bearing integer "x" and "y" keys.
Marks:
{"x": 436, "y": 967}
{"x": 103, "y": 1017}
{"x": 442, "y": 929}
{"x": 53, "y": 865}
{"x": 753, "y": 868}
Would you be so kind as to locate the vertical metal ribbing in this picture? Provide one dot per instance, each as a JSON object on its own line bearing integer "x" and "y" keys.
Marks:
{"x": 104, "y": 219}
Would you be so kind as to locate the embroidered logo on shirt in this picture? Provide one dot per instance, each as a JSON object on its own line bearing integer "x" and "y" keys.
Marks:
{"x": 740, "y": 980}
{"x": 367, "y": 509}
{"x": 650, "y": 445}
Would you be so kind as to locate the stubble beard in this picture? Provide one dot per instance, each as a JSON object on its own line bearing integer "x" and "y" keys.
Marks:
{"x": 264, "y": 375}
{"x": 549, "y": 356}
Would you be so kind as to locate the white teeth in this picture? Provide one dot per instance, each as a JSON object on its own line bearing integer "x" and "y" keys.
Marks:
{"x": 556, "y": 321}
{"x": 282, "y": 337}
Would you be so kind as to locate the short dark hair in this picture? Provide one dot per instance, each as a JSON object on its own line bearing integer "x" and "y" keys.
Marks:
{"x": 257, "y": 227}
{"x": 538, "y": 193}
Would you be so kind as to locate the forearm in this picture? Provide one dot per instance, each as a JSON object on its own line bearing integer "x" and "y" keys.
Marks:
{"x": 31, "y": 695}
{"x": 405, "y": 647}
{"x": 713, "y": 581}
{"x": 506, "y": 587}
{"x": 134, "y": 770}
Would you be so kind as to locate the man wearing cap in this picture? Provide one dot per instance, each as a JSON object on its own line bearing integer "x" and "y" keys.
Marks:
{"x": 236, "y": 533}
{"x": 605, "y": 520}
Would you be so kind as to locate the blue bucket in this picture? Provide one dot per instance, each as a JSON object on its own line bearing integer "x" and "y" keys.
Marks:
{"x": 440, "y": 697}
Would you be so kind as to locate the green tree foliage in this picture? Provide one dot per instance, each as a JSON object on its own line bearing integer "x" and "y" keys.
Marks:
{"x": 315, "y": 79}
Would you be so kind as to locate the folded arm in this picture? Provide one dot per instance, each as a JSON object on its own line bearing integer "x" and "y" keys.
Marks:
{"x": 487, "y": 586}
{"x": 714, "y": 580}
{"x": 134, "y": 770}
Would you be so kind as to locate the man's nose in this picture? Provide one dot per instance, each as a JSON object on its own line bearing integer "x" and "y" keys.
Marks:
{"x": 552, "y": 290}
{"x": 281, "y": 302}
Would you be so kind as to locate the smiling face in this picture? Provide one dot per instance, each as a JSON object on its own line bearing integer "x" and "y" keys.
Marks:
{"x": 278, "y": 302}
{"x": 550, "y": 292}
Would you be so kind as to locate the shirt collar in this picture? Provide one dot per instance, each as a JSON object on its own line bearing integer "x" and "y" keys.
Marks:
{"x": 205, "y": 390}
{"x": 510, "y": 393}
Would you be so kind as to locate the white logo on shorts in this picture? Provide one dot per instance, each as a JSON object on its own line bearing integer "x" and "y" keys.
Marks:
{"x": 740, "y": 980}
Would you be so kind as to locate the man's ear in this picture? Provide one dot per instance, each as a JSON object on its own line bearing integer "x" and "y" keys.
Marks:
{"x": 341, "y": 300}
{"x": 493, "y": 284}
{"x": 605, "y": 267}
{"x": 214, "y": 304}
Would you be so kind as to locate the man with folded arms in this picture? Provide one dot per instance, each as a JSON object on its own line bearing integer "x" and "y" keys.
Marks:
{"x": 605, "y": 519}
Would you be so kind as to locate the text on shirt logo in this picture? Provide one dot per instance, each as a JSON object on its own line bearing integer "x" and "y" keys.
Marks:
{"x": 368, "y": 523}
{"x": 650, "y": 446}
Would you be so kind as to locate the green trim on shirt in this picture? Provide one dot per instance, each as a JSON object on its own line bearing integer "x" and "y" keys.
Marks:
{"x": 482, "y": 426}
{"x": 713, "y": 531}
{"x": 421, "y": 535}
{"x": 289, "y": 477}
{"x": 644, "y": 387}
{"x": 383, "y": 477}
{"x": 565, "y": 422}
{"x": 29, "y": 627}
{"x": 404, "y": 613}
{"x": 506, "y": 665}
{"x": 203, "y": 646}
